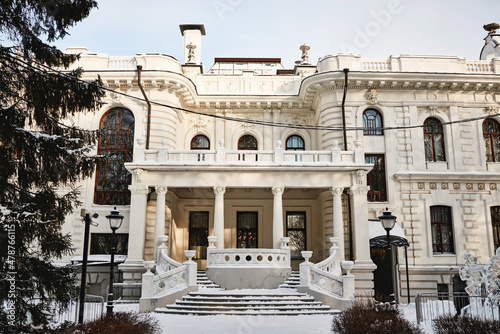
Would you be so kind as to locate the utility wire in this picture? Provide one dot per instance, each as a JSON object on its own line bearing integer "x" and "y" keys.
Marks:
{"x": 28, "y": 64}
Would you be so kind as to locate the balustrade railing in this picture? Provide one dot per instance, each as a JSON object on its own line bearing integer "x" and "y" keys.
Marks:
{"x": 327, "y": 276}
{"x": 278, "y": 156}
{"x": 254, "y": 257}
{"x": 169, "y": 274}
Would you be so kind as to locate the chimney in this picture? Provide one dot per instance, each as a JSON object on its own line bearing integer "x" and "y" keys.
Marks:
{"x": 192, "y": 42}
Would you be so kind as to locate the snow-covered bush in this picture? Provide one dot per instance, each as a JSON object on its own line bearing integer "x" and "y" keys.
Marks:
{"x": 449, "y": 324}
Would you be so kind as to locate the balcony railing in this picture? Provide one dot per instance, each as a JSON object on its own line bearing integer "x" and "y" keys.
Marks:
{"x": 221, "y": 156}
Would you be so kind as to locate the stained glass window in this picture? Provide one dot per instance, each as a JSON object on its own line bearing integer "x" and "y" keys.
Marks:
{"x": 116, "y": 143}
{"x": 442, "y": 233}
{"x": 491, "y": 136}
{"x": 434, "y": 140}
{"x": 296, "y": 231}
{"x": 372, "y": 123}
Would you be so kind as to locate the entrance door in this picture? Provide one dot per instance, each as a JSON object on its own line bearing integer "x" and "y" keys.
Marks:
{"x": 383, "y": 285}
{"x": 198, "y": 233}
{"x": 247, "y": 229}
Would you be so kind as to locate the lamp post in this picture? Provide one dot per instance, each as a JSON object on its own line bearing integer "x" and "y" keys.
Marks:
{"x": 87, "y": 219}
{"x": 388, "y": 221}
{"x": 115, "y": 221}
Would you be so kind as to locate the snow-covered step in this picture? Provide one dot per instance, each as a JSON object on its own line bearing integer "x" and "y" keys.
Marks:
{"x": 204, "y": 282}
{"x": 292, "y": 282}
{"x": 247, "y": 302}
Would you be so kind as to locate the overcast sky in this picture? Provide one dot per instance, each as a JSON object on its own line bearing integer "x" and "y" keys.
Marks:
{"x": 277, "y": 28}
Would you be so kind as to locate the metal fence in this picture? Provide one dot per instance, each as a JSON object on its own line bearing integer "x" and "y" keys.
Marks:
{"x": 93, "y": 309}
{"x": 429, "y": 306}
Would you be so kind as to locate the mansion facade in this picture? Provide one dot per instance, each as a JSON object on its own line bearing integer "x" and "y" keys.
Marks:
{"x": 251, "y": 152}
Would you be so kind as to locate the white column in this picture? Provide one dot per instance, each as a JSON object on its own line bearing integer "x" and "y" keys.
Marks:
{"x": 137, "y": 225}
{"x": 160, "y": 216}
{"x": 219, "y": 216}
{"x": 360, "y": 224}
{"x": 338, "y": 221}
{"x": 277, "y": 216}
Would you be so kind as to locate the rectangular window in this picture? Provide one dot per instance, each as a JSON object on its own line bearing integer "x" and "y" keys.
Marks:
{"x": 296, "y": 231}
{"x": 376, "y": 178}
{"x": 198, "y": 233}
{"x": 442, "y": 233}
{"x": 247, "y": 229}
{"x": 495, "y": 221}
{"x": 100, "y": 243}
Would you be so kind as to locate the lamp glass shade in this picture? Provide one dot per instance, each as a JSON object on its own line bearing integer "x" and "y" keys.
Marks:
{"x": 115, "y": 219}
{"x": 387, "y": 220}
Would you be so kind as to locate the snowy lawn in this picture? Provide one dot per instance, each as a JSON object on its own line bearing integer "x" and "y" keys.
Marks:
{"x": 222, "y": 324}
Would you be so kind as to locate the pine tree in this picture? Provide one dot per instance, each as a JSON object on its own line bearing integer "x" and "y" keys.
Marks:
{"x": 40, "y": 154}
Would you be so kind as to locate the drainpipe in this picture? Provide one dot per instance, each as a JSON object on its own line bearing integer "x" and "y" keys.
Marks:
{"x": 351, "y": 250}
{"x": 148, "y": 128}
{"x": 346, "y": 71}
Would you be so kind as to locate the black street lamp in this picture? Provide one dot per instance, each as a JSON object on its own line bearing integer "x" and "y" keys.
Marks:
{"x": 115, "y": 221}
{"x": 388, "y": 221}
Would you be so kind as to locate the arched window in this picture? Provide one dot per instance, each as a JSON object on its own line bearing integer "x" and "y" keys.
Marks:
{"x": 116, "y": 143}
{"x": 200, "y": 142}
{"x": 491, "y": 136}
{"x": 295, "y": 143}
{"x": 372, "y": 123}
{"x": 434, "y": 140}
{"x": 442, "y": 230}
{"x": 247, "y": 142}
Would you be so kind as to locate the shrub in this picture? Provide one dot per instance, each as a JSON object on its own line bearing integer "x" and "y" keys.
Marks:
{"x": 371, "y": 318}
{"x": 450, "y": 324}
{"x": 118, "y": 323}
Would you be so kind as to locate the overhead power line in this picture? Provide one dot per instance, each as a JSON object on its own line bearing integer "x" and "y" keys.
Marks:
{"x": 27, "y": 63}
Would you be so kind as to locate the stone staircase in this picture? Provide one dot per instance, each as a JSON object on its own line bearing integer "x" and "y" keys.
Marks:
{"x": 292, "y": 282}
{"x": 204, "y": 282}
{"x": 211, "y": 299}
{"x": 247, "y": 302}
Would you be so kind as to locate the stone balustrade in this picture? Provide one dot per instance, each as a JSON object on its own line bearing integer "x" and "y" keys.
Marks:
{"x": 248, "y": 257}
{"x": 168, "y": 278}
{"x": 222, "y": 157}
{"x": 326, "y": 277}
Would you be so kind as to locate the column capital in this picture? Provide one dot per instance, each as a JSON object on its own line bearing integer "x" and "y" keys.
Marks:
{"x": 161, "y": 190}
{"x": 337, "y": 190}
{"x": 359, "y": 190}
{"x": 219, "y": 190}
{"x": 138, "y": 189}
{"x": 278, "y": 191}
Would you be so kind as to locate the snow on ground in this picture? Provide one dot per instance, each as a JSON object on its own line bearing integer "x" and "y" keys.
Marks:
{"x": 229, "y": 324}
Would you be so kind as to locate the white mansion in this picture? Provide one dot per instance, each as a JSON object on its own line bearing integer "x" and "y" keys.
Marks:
{"x": 250, "y": 152}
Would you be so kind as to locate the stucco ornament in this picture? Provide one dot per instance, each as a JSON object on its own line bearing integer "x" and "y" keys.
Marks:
{"x": 360, "y": 174}
{"x": 474, "y": 273}
{"x": 305, "y": 55}
{"x": 372, "y": 95}
{"x": 138, "y": 174}
{"x": 491, "y": 110}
